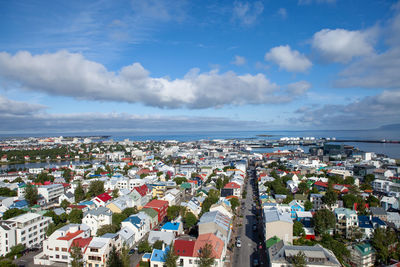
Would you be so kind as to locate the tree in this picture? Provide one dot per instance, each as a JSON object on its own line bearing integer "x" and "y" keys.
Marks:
{"x": 113, "y": 258}
{"x": 79, "y": 193}
{"x": 108, "y": 228}
{"x": 173, "y": 212}
{"x": 298, "y": 229}
{"x": 382, "y": 240}
{"x": 303, "y": 188}
{"x": 330, "y": 197}
{"x": 56, "y": 219}
{"x": 338, "y": 248}
{"x": 234, "y": 203}
{"x": 369, "y": 178}
{"x": 115, "y": 193}
{"x": 75, "y": 216}
{"x": 144, "y": 247}
{"x": 298, "y": 260}
{"x": 7, "y": 192}
{"x": 95, "y": 188}
{"x": 12, "y": 213}
{"x": 349, "y": 200}
{"x": 323, "y": 220}
{"x": 31, "y": 194}
{"x": 117, "y": 218}
{"x": 373, "y": 201}
{"x": 16, "y": 250}
{"x": 64, "y": 204}
{"x": 129, "y": 211}
{"x": 349, "y": 180}
{"x": 206, "y": 258}
{"x": 189, "y": 220}
{"x": 180, "y": 180}
{"x": 158, "y": 244}
{"x": 308, "y": 205}
{"x": 67, "y": 175}
{"x": 170, "y": 257}
{"x": 76, "y": 256}
{"x": 7, "y": 263}
{"x": 125, "y": 259}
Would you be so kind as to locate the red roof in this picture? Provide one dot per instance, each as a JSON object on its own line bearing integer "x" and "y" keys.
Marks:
{"x": 142, "y": 190}
{"x": 184, "y": 248}
{"x": 319, "y": 183}
{"x": 232, "y": 185}
{"x": 81, "y": 242}
{"x": 104, "y": 197}
{"x": 70, "y": 236}
{"x": 156, "y": 203}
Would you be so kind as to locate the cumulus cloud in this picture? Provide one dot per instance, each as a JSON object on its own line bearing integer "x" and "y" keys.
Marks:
{"x": 298, "y": 88}
{"x": 368, "y": 112}
{"x": 247, "y": 12}
{"x": 342, "y": 45}
{"x": 68, "y": 74}
{"x": 238, "y": 61}
{"x": 11, "y": 107}
{"x": 24, "y": 117}
{"x": 288, "y": 59}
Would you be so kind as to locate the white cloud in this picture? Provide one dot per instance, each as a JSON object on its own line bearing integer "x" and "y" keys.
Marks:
{"x": 12, "y": 107}
{"x": 341, "y": 45}
{"x": 288, "y": 59}
{"x": 282, "y": 12}
{"x": 247, "y": 12}
{"x": 298, "y": 88}
{"x": 238, "y": 61}
{"x": 68, "y": 74}
{"x": 307, "y": 2}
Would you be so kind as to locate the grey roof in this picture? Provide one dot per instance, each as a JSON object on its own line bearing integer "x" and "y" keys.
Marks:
{"x": 59, "y": 211}
{"x": 69, "y": 195}
{"x": 166, "y": 237}
{"x": 217, "y": 218}
{"x": 98, "y": 211}
{"x": 274, "y": 215}
{"x": 126, "y": 233}
{"x": 376, "y": 211}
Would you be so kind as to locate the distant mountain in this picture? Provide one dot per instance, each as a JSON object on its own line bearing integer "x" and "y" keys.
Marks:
{"x": 391, "y": 127}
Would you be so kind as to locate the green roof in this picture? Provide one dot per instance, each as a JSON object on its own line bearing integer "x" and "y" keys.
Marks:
{"x": 364, "y": 248}
{"x": 149, "y": 211}
{"x": 272, "y": 241}
{"x": 186, "y": 185}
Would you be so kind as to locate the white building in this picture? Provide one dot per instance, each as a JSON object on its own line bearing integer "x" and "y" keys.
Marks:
{"x": 51, "y": 192}
{"x": 96, "y": 218}
{"x": 28, "y": 229}
{"x": 99, "y": 249}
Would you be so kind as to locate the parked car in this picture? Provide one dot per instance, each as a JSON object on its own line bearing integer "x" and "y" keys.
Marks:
{"x": 238, "y": 243}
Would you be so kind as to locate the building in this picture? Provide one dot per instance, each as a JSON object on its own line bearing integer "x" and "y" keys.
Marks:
{"x": 102, "y": 200}
{"x": 28, "y": 229}
{"x": 215, "y": 221}
{"x": 160, "y": 206}
{"x": 51, "y": 192}
{"x": 99, "y": 249}
{"x": 96, "y": 218}
{"x": 346, "y": 221}
{"x": 185, "y": 250}
{"x": 277, "y": 224}
{"x": 218, "y": 248}
{"x": 281, "y": 254}
{"x": 362, "y": 255}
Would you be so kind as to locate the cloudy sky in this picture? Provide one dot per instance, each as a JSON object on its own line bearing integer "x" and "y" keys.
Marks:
{"x": 159, "y": 65}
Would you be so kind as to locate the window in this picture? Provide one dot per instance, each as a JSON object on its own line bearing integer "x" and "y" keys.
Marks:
{"x": 64, "y": 257}
{"x": 57, "y": 256}
{"x": 64, "y": 249}
{"x": 57, "y": 248}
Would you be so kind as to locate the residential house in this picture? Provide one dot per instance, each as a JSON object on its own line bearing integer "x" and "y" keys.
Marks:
{"x": 96, "y": 218}
{"x": 236, "y": 189}
{"x": 99, "y": 249}
{"x": 160, "y": 206}
{"x": 153, "y": 216}
{"x": 137, "y": 225}
{"x": 127, "y": 236}
{"x": 346, "y": 221}
{"x": 102, "y": 200}
{"x": 173, "y": 227}
{"x": 218, "y": 247}
{"x": 379, "y": 212}
{"x": 185, "y": 250}
{"x": 145, "y": 195}
{"x": 390, "y": 203}
{"x": 394, "y": 217}
{"x": 214, "y": 221}
{"x": 277, "y": 224}
{"x": 294, "y": 207}
{"x": 166, "y": 237}
{"x": 157, "y": 258}
{"x": 51, "y": 192}
{"x": 68, "y": 196}
{"x": 280, "y": 254}
{"x": 362, "y": 255}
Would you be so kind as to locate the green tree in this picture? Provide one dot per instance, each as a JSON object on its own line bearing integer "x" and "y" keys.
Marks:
{"x": 117, "y": 218}
{"x": 298, "y": 229}
{"x": 108, "y": 228}
{"x": 349, "y": 180}
{"x": 373, "y": 201}
{"x": 298, "y": 260}
{"x": 125, "y": 256}
{"x": 7, "y": 263}
{"x": 95, "y": 188}
{"x": 144, "y": 247}
{"x": 113, "y": 258}
{"x": 79, "y": 193}
{"x": 338, "y": 248}
{"x": 173, "y": 212}
{"x": 75, "y": 216}
{"x": 129, "y": 211}
{"x": 12, "y": 213}
{"x": 158, "y": 244}
{"x": 170, "y": 257}
{"x": 76, "y": 256}
{"x": 330, "y": 197}
{"x": 303, "y": 188}
{"x": 349, "y": 200}
{"x": 206, "y": 257}
{"x": 67, "y": 173}
{"x": 308, "y": 205}
{"x": 65, "y": 204}
{"x": 234, "y": 203}
{"x": 16, "y": 250}
{"x": 369, "y": 178}
{"x": 189, "y": 220}
{"x": 6, "y": 192}
{"x": 56, "y": 219}
{"x": 180, "y": 180}
{"x": 31, "y": 194}
{"x": 382, "y": 241}
{"x": 323, "y": 221}
{"x": 115, "y": 193}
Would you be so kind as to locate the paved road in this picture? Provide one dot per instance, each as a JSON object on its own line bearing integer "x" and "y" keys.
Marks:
{"x": 245, "y": 255}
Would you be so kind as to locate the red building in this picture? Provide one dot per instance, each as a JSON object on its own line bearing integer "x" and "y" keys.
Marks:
{"x": 160, "y": 206}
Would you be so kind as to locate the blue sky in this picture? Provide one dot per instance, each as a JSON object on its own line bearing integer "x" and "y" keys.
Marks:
{"x": 70, "y": 66}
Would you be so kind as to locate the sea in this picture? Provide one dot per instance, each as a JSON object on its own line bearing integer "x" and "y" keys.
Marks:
{"x": 390, "y": 149}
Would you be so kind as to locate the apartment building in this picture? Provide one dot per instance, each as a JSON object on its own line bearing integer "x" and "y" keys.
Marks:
{"x": 51, "y": 192}
{"x": 346, "y": 221}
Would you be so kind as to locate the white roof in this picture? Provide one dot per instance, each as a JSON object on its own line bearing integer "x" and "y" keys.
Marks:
{"x": 25, "y": 217}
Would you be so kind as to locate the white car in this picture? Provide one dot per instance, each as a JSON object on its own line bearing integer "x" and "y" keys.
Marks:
{"x": 238, "y": 243}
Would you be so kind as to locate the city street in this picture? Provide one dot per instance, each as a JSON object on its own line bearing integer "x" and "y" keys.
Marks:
{"x": 245, "y": 255}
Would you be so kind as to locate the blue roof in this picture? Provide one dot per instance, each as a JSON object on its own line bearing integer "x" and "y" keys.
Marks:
{"x": 378, "y": 221}
{"x": 159, "y": 255}
{"x": 109, "y": 235}
{"x": 86, "y": 203}
{"x": 171, "y": 226}
{"x": 20, "y": 204}
{"x": 146, "y": 256}
{"x": 364, "y": 222}
{"x": 135, "y": 220}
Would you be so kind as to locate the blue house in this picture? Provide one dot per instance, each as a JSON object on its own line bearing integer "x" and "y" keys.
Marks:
{"x": 173, "y": 227}
{"x": 19, "y": 204}
{"x": 295, "y": 206}
{"x": 158, "y": 257}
